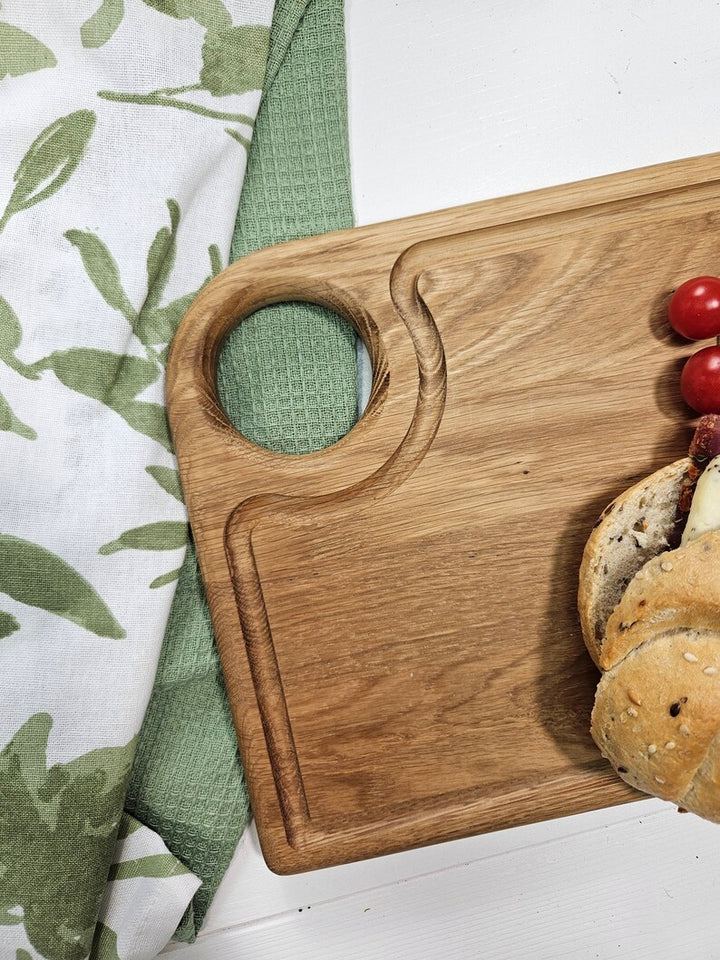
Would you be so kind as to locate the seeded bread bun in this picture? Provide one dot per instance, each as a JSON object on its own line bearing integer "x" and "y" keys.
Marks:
{"x": 653, "y": 627}
{"x": 632, "y": 529}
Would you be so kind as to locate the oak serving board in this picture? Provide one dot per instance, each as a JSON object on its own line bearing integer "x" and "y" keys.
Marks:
{"x": 396, "y": 614}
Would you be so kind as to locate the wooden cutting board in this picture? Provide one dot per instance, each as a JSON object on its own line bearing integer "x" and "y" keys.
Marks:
{"x": 396, "y": 614}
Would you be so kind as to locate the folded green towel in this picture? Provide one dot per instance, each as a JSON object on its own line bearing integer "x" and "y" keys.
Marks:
{"x": 288, "y": 380}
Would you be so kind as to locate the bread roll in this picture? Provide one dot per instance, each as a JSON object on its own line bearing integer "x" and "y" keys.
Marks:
{"x": 633, "y": 528}
{"x": 651, "y": 620}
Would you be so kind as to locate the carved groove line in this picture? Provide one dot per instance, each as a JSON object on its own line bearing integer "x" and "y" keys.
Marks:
{"x": 262, "y": 659}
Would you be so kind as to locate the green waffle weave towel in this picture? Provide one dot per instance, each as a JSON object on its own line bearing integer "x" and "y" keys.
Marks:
{"x": 288, "y": 380}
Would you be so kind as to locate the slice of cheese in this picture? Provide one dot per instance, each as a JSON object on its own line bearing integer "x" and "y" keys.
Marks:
{"x": 705, "y": 508}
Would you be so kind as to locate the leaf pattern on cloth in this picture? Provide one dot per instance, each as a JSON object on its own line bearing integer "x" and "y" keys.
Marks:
{"x": 165, "y": 578}
{"x": 49, "y": 162}
{"x": 157, "y": 324}
{"x": 100, "y": 374}
{"x": 10, "y": 423}
{"x": 103, "y": 271}
{"x": 153, "y": 324}
{"x": 233, "y": 62}
{"x": 211, "y": 14}
{"x": 161, "y": 257}
{"x": 115, "y": 379}
{"x": 37, "y": 577}
{"x": 128, "y": 825}
{"x": 168, "y": 479}
{"x": 216, "y": 264}
{"x": 22, "y": 53}
{"x": 83, "y": 347}
{"x": 8, "y": 624}
{"x": 104, "y": 946}
{"x": 100, "y": 27}
{"x": 156, "y": 865}
{"x": 10, "y": 340}
{"x": 57, "y": 834}
{"x": 160, "y": 535}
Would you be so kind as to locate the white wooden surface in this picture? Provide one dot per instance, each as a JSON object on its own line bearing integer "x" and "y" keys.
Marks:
{"x": 453, "y": 101}
{"x": 643, "y": 886}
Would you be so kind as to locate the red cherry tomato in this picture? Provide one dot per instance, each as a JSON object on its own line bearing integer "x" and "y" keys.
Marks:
{"x": 700, "y": 381}
{"x": 694, "y": 309}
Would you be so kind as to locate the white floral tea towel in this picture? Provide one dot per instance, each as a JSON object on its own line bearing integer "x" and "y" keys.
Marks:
{"x": 124, "y": 126}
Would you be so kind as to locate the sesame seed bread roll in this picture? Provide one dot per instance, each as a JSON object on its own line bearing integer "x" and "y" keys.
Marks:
{"x": 635, "y": 527}
{"x": 651, "y": 620}
{"x": 677, "y": 590}
{"x": 657, "y": 708}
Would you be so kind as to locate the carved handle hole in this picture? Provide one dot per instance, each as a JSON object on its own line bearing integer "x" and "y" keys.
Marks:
{"x": 294, "y": 377}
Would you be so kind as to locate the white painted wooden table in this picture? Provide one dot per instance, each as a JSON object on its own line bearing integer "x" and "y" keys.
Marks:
{"x": 453, "y": 101}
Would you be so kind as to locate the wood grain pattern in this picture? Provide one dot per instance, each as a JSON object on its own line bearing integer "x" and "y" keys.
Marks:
{"x": 396, "y": 614}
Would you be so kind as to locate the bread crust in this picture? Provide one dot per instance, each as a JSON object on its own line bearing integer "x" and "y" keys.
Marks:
{"x": 593, "y": 575}
{"x": 656, "y": 716}
{"x": 677, "y": 590}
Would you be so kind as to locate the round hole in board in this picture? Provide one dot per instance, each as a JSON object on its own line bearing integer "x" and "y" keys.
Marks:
{"x": 293, "y": 377}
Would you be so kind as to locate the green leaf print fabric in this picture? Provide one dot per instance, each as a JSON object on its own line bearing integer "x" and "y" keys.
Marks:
{"x": 22, "y": 53}
{"x": 33, "y": 575}
{"x": 49, "y": 162}
{"x": 59, "y": 826}
{"x": 125, "y": 127}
